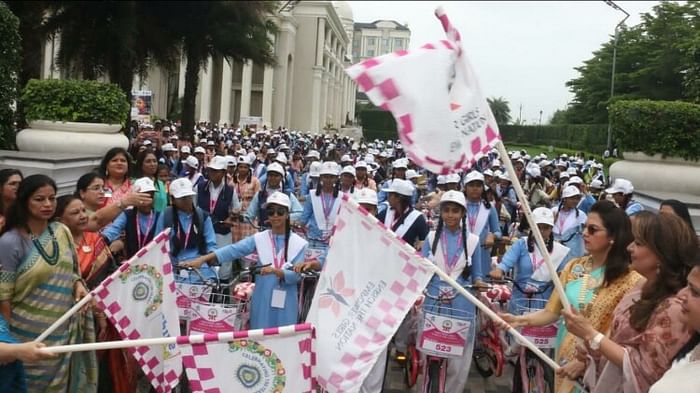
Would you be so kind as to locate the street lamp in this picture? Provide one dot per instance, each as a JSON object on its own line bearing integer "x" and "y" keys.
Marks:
{"x": 612, "y": 77}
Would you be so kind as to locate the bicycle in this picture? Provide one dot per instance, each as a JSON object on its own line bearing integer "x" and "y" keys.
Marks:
{"x": 489, "y": 355}
{"x": 531, "y": 375}
{"x": 444, "y": 336}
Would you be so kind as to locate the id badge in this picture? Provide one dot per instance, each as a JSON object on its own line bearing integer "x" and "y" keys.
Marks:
{"x": 278, "y": 298}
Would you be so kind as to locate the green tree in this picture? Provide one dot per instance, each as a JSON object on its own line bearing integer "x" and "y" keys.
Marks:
{"x": 654, "y": 60}
{"x": 237, "y": 31}
{"x": 10, "y": 45}
{"x": 500, "y": 109}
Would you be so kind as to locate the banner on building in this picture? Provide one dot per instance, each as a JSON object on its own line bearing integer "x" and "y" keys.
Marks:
{"x": 142, "y": 105}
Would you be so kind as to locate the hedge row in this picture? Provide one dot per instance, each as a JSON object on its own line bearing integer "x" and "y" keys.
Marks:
{"x": 379, "y": 124}
{"x": 669, "y": 128}
{"x": 10, "y": 59}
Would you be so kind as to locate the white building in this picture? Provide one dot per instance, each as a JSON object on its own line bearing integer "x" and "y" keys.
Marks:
{"x": 307, "y": 90}
{"x": 379, "y": 38}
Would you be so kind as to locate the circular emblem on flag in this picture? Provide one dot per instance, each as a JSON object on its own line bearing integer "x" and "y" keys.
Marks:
{"x": 262, "y": 370}
{"x": 140, "y": 291}
{"x": 146, "y": 284}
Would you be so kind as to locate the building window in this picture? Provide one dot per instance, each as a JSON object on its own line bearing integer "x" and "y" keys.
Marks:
{"x": 370, "y": 52}
{"x": 371, "y": 41}
{"x": 385, "y": 42}
{"x": 398, "y": 43}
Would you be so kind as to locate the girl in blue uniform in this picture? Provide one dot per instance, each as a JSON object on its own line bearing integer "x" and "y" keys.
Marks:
{"x": 481, "y": 217}
{"x": 569, "y": 221}
{"x": 456, "y": 251}
{"x": 274, "y": 300}
{"x": 532, "y": 278}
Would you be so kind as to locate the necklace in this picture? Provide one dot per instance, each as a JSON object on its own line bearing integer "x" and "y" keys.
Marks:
{"x": 585, "y": 309}
{"x": 50, "y": 259}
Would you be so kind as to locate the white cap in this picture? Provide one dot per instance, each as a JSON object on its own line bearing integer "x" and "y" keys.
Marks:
{"x": 185, "y": 149}
{"x": 543, "y": 215}
{"x": 488, "y": 172}
{"x": 400, "y": 186}
{"x": 345, "y": 158}
{"x": 168, "y": 147}
{"x": 452, "y": 178}
{"x": 474, "y": 176}
{"x": 315, "y": 169}
{"x": 192, "y": 161}
{"x": 597, "y": 184}
{"x": 411, "y": 174}
{"x": 275, "y": 167}
{"x": 454, "y": 197}
{"x": 314, "y": 154}
{"x": 496, "y": 163}
{"x": 360, "y": 164}
{"x": 211, "y": 142}
{"x": 278, "y": 198}
{"x": 545, "y": 163}
{"x": 181, "y": 188}
{"x": 143, "y": 184}
{"x": 366, "y": 195}
{"x": 564, "y": 175}
{"x": 218, "y": 163}
{"x": 534, "y": 171}
{"x": 349, "y": 169}
{"x": 621, "y": 185}
{"x": 245, "y": 160}
{"x": 230, "y": 160}
{"x": 147, "y": 143}
{"x": 575, "y": 180}
{"x": 572, "y": 171}
{"x": 441, "y": 179}
{"x": 281, "y": 157}
{"x": 199, "y": 149}
{"x": 504, "y": 176}
{"x": 570, "y": 191}
{"x": 329, "y": 168}
{"x": 400, "y": 163}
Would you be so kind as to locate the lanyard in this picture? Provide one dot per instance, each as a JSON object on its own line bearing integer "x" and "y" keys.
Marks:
{"x": 142, "y": 240}
{"x": 187, "y": 234}
{"x": 450, "y": 263}
{"x": 562, "y": 220}
{"x": 214, "y": 197}
{"x": 536, "y": 263}
{"x": 472, "y": 220}
{"x": 278, "y": 260}
{"x": 327, "y": 204}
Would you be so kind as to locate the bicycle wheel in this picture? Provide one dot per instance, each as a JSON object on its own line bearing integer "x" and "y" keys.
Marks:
{"x": 434, "y": 376}
{"x": 484, "y": 362}
{"x": 411, "y": 366}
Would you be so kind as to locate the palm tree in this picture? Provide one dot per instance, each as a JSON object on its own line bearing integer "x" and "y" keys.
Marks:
{"x": 500, "y": 109}
{"x": 237, "y": 31}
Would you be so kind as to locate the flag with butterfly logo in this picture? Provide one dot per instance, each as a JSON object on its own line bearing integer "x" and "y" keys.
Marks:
{"x": 370, "y": 281}
{"x": 139, "y": 300}
{"x": 444, "y": 122}
{"x": 275, "y": 360}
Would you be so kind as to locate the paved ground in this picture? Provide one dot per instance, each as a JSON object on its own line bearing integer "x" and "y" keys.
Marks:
{"x": 476, "y": 384}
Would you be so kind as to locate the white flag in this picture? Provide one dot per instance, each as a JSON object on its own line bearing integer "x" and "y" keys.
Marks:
{"x": 444, "y": 122}
{"x": 139, "y": 300}
{"x": 280, "y": 361}
{"x": 370, "y": 281}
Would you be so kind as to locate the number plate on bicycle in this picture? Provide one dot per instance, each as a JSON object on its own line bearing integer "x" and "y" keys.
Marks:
{"x": 443, "y": 336}
{"x": 542, "y": 336}
{"x": 186, "y": 293}
{"x": 215, "y": 318}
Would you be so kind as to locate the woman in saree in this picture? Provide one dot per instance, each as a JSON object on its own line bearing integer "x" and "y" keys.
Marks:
{"x": 594, "y": 285}
{"x": 645, "y": 335}
{"x": 39, "y": 282}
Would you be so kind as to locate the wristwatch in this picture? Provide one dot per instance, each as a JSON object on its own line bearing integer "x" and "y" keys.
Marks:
{"x": 594, "y": 343}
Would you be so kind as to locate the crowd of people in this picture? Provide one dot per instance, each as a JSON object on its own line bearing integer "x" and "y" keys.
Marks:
{"x": 631, "y": 276}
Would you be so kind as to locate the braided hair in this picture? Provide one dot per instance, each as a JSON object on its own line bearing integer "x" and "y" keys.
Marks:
{"x": 336, "y": 188}
{"x": 247, "y": 180}
{"x": 466, "y": 272}
{"x": 561, "y": 205}
{"x": 531, "y": 242}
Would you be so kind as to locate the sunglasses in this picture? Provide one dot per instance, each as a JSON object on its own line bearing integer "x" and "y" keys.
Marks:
{"x": 592, "y": 229}
{"x": 279, "y": 211}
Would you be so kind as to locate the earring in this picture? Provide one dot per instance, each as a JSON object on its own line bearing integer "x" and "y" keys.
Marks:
{"x": 612, "y": 241}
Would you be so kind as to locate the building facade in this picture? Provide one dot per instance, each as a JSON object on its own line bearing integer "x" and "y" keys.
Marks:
{"x": 307, "y": 90}
{"x": 379, "y": 38}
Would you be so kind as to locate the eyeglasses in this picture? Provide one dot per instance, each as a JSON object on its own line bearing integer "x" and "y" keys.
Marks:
{"x": 97, "y": 188}
{"x": 279, "y": 211}
{"x": 592, "y": 229}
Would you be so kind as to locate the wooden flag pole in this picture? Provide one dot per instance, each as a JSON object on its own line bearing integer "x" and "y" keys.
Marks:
{"x": 539, "y": 240}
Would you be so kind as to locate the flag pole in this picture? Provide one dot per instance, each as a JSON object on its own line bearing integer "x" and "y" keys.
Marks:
{"x": 60, "y": 321}
{"x": 533, "y": 226}
{"x": 256, "y": 334}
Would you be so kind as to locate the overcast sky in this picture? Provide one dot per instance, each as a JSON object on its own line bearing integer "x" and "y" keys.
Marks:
{"x": 522, "y": 51}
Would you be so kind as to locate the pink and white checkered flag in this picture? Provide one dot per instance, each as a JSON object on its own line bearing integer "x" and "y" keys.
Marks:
{"x": 139, "y": 300}
{"x": 370, "y": 281}
{"x": 444, "y": 122}
{"x": 274, "y": 360}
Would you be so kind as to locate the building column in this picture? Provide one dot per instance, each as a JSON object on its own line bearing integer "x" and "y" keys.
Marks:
{"x": 226, "y": 81}
{"x": 324, "y": 96}
{"x": 207, "y": 80}
{"x": 246, "y": 86}
{"x": 181, "y": 76}
{"x": 267, "y": 97}
{"x": 316, "y": 100}
{"x": 344, "y": 95}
